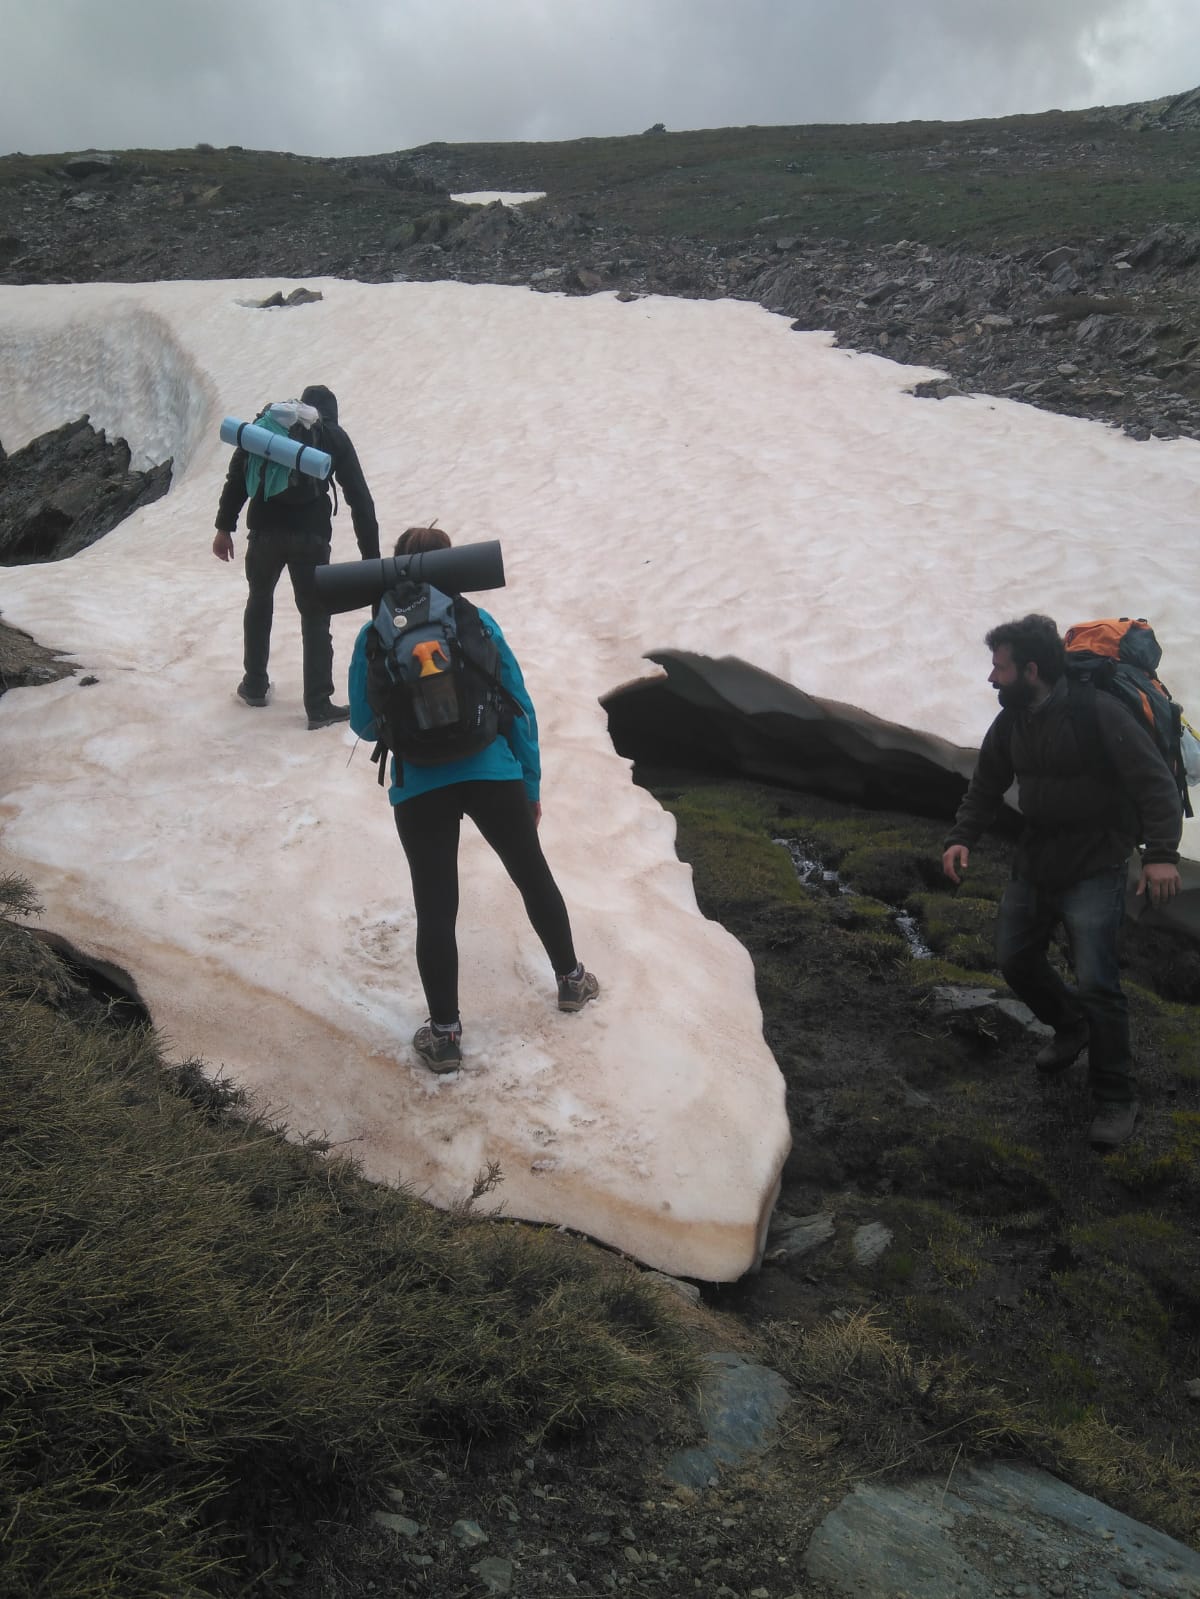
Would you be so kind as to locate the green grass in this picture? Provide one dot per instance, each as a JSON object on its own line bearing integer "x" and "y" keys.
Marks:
{"x": 211, "y": 1337}
{"x": 995, "y": 185}
{"x": 243, "y": 175}
{"x": 1063, "y": 175}
{"x": 1171, "y": 1172}
{"x": 1034, "y": 1300}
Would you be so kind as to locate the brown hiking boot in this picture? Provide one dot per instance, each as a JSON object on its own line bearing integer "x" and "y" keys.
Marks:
{"x": 1063, "y": 1049}
{"x": 576, "y": 988}
{"x": 1113, "y": 1124}
{"x": 440, "y": 1051}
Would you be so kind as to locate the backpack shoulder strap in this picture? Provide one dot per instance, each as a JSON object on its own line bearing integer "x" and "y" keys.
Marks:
{"x": 324, "y": 442}
{"x": 1085, "y": 719}
{"x": 379, "y": 757}
{"x": 475, "y": 630}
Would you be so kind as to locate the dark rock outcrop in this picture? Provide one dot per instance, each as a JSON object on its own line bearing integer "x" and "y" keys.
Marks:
{"x": 95, "y": 163}
{"x": 726, "y": 716}
{"x": 24, "y": 663}
{"x": 67, "y": 489}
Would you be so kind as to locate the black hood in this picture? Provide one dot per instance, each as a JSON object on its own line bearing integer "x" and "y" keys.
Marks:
{"x": 325, "y": 401}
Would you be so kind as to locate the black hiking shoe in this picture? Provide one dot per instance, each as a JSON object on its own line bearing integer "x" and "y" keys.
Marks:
{"x": 576, "y": 988}
{"x": 327, "y": 715}
{"x": 441, "y": 1052}
{"x": 1113, "y": 1124}
{"x": 256, "y": 700}
{"x": 1063, "y": 1050}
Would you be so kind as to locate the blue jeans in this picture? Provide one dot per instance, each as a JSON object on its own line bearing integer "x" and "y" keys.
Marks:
{"x": 1092, "y": 912}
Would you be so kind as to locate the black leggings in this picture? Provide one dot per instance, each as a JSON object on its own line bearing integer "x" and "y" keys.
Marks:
{"x": 428, "y": 827}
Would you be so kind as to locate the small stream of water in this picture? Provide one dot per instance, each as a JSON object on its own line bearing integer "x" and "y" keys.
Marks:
{"x": 814, "y": 875}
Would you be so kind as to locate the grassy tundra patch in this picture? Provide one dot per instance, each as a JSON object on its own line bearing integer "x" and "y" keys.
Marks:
{"x": 999, "y": 184}
{"x": 1035, "y": 1299}
{"x": 994, "y": 184}
{"x": 210, "y": 1337}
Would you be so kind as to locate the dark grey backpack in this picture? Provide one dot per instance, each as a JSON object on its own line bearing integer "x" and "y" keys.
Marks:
{"x": 433, "y": 678}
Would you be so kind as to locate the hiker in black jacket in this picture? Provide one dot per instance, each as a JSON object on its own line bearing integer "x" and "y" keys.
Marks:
{"x": 297, "y": 536}
{"x": 1092, "y": 786}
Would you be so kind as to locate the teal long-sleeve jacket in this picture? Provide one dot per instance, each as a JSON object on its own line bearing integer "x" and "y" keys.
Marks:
{"x": 510, "y": 755}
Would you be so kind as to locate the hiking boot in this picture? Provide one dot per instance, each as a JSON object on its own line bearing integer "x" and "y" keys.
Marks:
{"x": 441, "y": 1052}
{"x": 1113, "y": 1124}
{"x": 327, "y": 715}
{"x": 256, "y": 700}
{"x": 1063, "y": 1050}
{"x": 576, "y": 988}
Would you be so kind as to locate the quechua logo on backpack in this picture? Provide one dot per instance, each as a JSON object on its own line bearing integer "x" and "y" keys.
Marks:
{"x": 1120, "y": 655}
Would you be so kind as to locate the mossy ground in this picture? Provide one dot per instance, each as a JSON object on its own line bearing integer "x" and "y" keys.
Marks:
{"x": 1036, "y": 1298}
{"x": 220, "y": 1350}
{"x": 996, "y": 184}
{"x": 993, "y": 184}
{"x": 212, "y": 1338}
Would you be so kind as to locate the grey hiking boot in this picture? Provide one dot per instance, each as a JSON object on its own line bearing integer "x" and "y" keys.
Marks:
{"x": 576, "y": 988}
{"x": 1113, "y": 1124}
{"x": 1063, "y": 1049}
{"x": 256, "y": 700}
{"x": 440, "y": 1051}
{"x": 327, "y": 715}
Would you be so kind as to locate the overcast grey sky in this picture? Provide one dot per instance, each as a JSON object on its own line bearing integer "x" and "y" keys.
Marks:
{"x": 339, "y": 77}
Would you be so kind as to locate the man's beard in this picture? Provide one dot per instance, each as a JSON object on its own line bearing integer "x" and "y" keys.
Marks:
{"x": 1018, "y": 696}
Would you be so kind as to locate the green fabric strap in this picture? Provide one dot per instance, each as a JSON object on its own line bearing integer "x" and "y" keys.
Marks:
{"x": 270, "y": 474}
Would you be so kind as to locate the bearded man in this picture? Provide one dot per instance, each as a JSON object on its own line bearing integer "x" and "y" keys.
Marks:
{"x": 1091, "y": 787}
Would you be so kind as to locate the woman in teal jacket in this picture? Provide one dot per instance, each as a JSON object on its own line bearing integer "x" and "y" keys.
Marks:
{"x": 499, "y": 790}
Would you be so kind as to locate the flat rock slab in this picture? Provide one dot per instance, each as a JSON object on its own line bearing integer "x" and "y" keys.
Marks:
{"x": 870, "y": 1242}
{"x": 739, "y": 1405}
{"x": 999, "y": 1529}
{"x": 792, "y": 1237}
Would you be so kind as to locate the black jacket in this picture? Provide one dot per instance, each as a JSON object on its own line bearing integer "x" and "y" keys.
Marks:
{"x": 1091, "y": 787}
{"x": 316, "y": 515}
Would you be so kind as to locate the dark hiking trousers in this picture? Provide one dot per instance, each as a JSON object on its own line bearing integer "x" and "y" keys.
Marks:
{"x": 1092, "y": 912}
{"x": 428, "y": 826}
{"x": 267, "y": 553}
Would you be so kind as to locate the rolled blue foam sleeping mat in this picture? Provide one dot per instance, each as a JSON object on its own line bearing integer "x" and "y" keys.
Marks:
{"x": 276, "y": 447}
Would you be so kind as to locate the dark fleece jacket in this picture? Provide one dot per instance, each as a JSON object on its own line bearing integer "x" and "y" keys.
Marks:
{"x": 316, "y": 515}
{"x": 1091, "y": 787}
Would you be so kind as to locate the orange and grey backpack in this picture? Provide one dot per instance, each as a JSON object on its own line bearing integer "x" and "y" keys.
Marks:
{"x": 1120, "y": 656}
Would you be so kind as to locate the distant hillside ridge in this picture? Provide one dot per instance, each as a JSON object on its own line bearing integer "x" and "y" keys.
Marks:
{"x": 1173, "y": 111}
{"x": 1051, "y": 258}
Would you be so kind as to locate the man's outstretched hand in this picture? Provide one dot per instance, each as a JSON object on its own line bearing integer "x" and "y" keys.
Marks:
{"x": 955, "y": 862}
{"x": 1159, "y": 883}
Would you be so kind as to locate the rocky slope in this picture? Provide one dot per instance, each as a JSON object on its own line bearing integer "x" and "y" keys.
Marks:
{"x": 1072, "y": 282}
{"x": 67, "y": 489}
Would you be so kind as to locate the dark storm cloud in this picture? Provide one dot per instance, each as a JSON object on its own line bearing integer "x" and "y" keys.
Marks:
{"x": 367, "y": 75}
